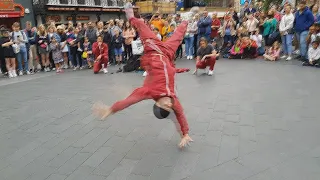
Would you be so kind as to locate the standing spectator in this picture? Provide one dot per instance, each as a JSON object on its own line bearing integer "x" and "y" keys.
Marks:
{"x": 32, "y": 46}
{"x": 99, "y": 28}
{"x": 7, "y": 50}
{"x": 87, "y": 52}
{"x": 303, "y": 21}
{"x": 189, "y": 38}
{"x": 20, "y": 38}
{"x": 315, "y": 12}
{"x": 262, "y": 17}
{"x": 215, "y": 25}
{"x": 107, "y": 39}
{"x": 177, "y": 19}
{"x": 100, "y": 51}
{"x": 250, "y": 10}
{"x": 196, "y": 19}
{"x": 63, "y": 45}
{"x": 118, "y": 41}
{"x": 243, "y": 10}
{"x": 276, "y": 13}
{"x": 70, "y": 24}
{"x": 251, "y": 24}
{"x": 52, "y": 33}
{"x": 43, "y": 47}
{"x": 73, "y": 39}
{"x": 113, "y": 27}
{"x": 286, "y": 31}
{"x": 228, "y": 30}
{"x": 260, "y": 6}
{"x": 91, "y": 33}
{"x": 56, "y": 54}
{"x": 204, "y": 26}
{"x": 171, "y": 21}
{"x": 156, "y": 21}
{"x": 128, "y": 34}
{"x": 165, "y": 31}
{"x": 269, "y": 27}
{"x": 234, "y": 15}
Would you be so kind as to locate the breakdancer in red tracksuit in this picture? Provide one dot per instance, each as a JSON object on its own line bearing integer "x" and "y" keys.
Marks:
{"x": 159, "y": 85}
{"x": 100, "y": 51}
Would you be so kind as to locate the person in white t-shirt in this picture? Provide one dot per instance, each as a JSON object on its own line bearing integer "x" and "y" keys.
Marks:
{"x": 156, "y": 32}
{"x": 257, "y": 37}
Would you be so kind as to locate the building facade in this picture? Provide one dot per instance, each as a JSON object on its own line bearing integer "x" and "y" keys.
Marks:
{"x": 15, "y": 11}
{"x": 62, "y": 11}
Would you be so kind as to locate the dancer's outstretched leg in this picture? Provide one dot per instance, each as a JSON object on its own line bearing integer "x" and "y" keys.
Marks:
{"x": 176, "y": 39}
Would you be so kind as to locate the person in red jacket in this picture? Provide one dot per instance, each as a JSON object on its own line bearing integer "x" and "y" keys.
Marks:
{"x": 100, "y": 52}
{"x": 159, "y": 85}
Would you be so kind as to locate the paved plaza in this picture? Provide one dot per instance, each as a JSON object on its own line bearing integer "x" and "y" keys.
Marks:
{"x": 252, "y": 120}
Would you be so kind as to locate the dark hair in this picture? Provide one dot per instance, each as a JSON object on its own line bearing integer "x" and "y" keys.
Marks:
{"x": 159, "y": 112}
{"x": 203, "y": 40}
{"x": 156, "y": 29}
{"x": 303, "y": 2}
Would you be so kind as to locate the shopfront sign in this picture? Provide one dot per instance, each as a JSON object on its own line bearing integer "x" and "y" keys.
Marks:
{"x": 78, "y": 18}
{"x": 7, "y": 9}
{"x": 89, "y": 9}
{"x": 61, "y": 9}
{"x": 111, "y": 9}
{"x": 4, "y": 14}
{"x": 55, "y": 18}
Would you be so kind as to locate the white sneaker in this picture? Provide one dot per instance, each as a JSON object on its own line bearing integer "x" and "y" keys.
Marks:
{"x": 20, "y": 73}
{"x": 28, "y": 72}
{"x": 14, "y": 73}
{"x": 80, "y": 50}
{"x": 53, "y": 69}
{"x": 283, "y": 57}
{"x": 81, "y": 67}
{"x": 10, "y": 74}
{"x": 210, "y": 73}
{"x": 39, "y": 67}
{"x": 145, "y": 74}
{"x": 188, "y": 57}
{"x": 289, "y": 58}
{"x": 191, "y": 57}
{"x": 46, "y": 69}
{"x": 75, "y": 68}
{"x": 105, "y": 70}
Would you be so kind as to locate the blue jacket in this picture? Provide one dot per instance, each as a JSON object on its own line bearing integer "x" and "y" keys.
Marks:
{"x": 318, "y": 18}
{"x": 204, "y": 25}
{"x": 303, "y": 21}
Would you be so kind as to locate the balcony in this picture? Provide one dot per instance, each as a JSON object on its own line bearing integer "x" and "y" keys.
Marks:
{"x": 85, "y": 3}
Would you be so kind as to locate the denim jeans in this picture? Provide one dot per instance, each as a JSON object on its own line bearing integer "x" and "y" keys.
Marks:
{"x": 302, "y": 36}
{"x": 287, "y": 44}
{"x": 23, "y": 54}
{"x": 189, "y": 46}
{"x": 226, "y": 39}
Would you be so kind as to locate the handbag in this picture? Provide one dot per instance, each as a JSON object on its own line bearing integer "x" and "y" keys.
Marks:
{"x": 44, "y": 46}
{"x": 16, "y": 48}
{"x": 85, "y": 55}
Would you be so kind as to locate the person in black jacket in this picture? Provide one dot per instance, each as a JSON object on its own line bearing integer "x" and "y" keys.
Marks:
{"x": 107, "y": 38}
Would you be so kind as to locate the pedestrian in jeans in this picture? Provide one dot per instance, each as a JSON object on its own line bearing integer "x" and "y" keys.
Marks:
{"x": 204, "y": 25}
{"x": 286, "y": 31}
{"x": 20, "y": 38}
{"x": 43, "y": 47}
{"x": 31, "y": 33}
{"x": 189, "y": 38}
{"x": 303, "y": 21}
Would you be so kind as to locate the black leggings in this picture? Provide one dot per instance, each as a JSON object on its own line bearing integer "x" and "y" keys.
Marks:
{"x": 76, "y": 54}
{"x": 128, "y": 51}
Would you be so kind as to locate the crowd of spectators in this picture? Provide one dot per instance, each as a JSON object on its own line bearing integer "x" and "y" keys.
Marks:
{"x": 276, "y": 34}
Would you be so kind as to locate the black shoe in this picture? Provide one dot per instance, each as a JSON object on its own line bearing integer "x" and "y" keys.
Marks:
{"x": 317, "y": 65}
{"x": 305, "y": 64}
{"x": 298, "y": 57}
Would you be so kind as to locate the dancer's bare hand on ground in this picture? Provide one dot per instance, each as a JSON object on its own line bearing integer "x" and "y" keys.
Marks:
{"x": 101, "y": 110}
{"x": 186, "y": 140}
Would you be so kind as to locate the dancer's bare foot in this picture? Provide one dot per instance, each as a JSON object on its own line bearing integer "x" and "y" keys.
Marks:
{"x": 101, "y": 110}
{"x": 195, "y": 72}
{"x": 186, "y": 140}
{"x": 129, "y": 10}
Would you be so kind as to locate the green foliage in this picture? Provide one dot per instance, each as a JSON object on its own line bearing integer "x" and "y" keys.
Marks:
{"x": 267, "y": 3}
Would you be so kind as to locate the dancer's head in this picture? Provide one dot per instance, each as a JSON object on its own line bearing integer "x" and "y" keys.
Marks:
{"x": 203, "y": 42}
{"x": 162, "y": 107}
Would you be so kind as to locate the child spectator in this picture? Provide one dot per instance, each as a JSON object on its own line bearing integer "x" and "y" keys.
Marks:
{"x": 312, "y": 36}
{"x": 215, "y": 47}
{"x": 313, "y": 54}
{"x": 56, "y": 54}
{"x": 257, "y": 37}
{"x": 156, "y": 32}
{"x": 226, "y": 50}
{"x": 87, "y": 52}
{"x": 273, "y": 52}
{"x": 117, "y": 42}
{"x": 236, "y": 51}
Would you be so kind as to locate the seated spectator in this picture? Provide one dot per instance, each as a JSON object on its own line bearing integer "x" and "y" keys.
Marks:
{"x": 257, "y": 37}
{"x": 273, "y": 53}
{"x": 225, "y": 51}
{"x": 249, "y": 47}
{"x": 315, "y": 12}
{"x": 236, "y": 51}
{"x": 206, "y": 56}
{"x": 215, "y": 47}
{"x": 312, "y": 35}
{"x": 100, "y": 51}
{"x": 313, "y": 54}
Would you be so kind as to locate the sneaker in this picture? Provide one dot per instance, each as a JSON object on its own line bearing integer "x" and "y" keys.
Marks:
{"x": 75, "y": 68}
{"x": 210, "y": 73}
{"x": 47, "y": 69}
{"x": 53, "y": 69}
{"x": 105, "y": 70}
{"x": 305, "y": 64}
{"x": 39, "y": 67}
{"x": 80, "y": 50}
{"x": 289, "y": 58}
{"x": 188, "y": 57}
{"x": 283, "y": 57}
{"x": 10, "y": 74}
{"x": 191, "y": 57}
{"x": 145, "y": 74}
{"x": 20, "y": 73}
{"x": 28, "y": 73}
{"x": 14, "y": 73}
{"x": 81, "y": 67}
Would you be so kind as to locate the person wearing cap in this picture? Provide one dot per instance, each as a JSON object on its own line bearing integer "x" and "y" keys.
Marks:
{"x": 313, "y": 54}
{"x": 206, "y": 57}
{"x": 159, "y": 85}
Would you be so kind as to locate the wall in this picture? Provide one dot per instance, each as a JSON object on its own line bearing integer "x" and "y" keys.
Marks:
{"x": 27, "y": 17}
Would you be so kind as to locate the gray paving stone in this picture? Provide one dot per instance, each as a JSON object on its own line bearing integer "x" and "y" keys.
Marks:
{"x": 231, "y": 129}
{"x": 80, "y": 173}
{"x": 98, "y": 157}
{"x": 99, "y": 141}
{"x": 84, "y": 141}
{"x": 213, "y": 138}
{"x": 146, "y": 165}
{"x": 161, "y": 173}
{"x": 137, "y": 177}
{"x": 208, "y": 158}
{"x": 123, "y": 170}
{"x": 109, "y": 164}
{"x": 185, "y": 166}
{"x": 216, "y": 125}
{"x": 56, "y": 177}
{"x": 72, "y": 164}
{"x": 228, "y": 148}
{"x": 62, "y": 158}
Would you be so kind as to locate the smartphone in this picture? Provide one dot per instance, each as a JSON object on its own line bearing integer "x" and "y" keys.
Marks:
{"x": 18, "y": 36}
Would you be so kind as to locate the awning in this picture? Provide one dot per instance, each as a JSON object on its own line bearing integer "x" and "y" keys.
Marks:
{"x": 9, "y": 14}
